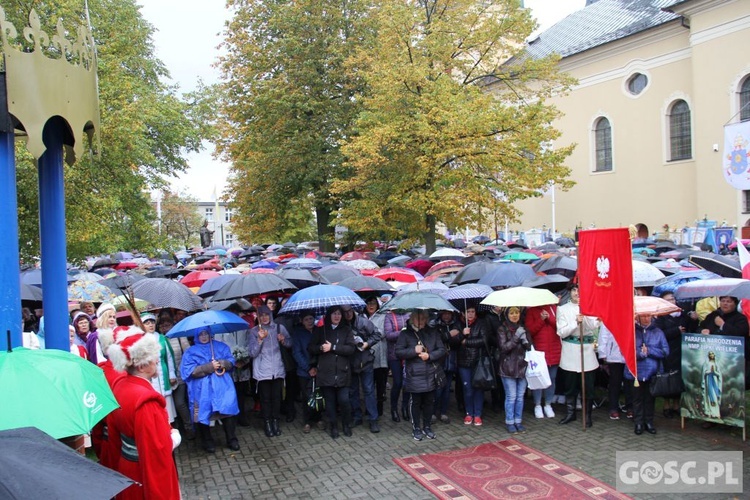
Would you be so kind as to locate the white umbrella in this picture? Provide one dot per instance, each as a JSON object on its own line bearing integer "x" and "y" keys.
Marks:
{"x": 446, "y": 253}
{"x": 360, "y": 264}
{"x": 644, "y": 274}
{"x": 520, "y": 296}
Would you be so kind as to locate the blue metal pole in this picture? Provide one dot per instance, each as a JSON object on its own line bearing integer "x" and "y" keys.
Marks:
{"x": 52, "y": 236}
{"x": 10, "y": 281}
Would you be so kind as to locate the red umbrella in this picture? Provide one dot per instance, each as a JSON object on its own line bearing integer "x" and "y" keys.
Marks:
{"x": 398, "y": 274}
{"x": 212, "y": 264}
{"x": 126, "y": 265}
{"x": 420, "y": 265}
{"x": 197, "y": 278}
{"x": 354, "y": 256}
{"x": 259, "y": 270}
{"x": 446, "y": 264}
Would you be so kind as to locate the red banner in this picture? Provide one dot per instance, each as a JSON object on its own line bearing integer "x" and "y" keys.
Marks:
{"x": 605, "y": 278}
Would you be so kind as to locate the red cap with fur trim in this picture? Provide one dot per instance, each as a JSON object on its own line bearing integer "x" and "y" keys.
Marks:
{"x": 132, "y": 347}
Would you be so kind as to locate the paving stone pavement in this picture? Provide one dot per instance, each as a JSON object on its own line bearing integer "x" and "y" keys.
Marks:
{"x": 312, "y": 466}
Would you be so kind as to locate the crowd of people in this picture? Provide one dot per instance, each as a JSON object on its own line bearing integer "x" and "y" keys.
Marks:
{"x": 170, "y": 388}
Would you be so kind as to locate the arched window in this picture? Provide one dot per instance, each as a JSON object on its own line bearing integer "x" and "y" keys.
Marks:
{"x": 745, "y": 100}
{"x": 680, "y": 141}
{"x": 603, "y": 142}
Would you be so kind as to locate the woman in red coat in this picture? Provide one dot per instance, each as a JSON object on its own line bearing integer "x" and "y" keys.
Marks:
{"x": 140, "y": 436}
{"x": 541, "y": 323}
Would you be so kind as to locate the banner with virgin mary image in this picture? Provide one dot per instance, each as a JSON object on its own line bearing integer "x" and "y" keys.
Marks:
{"x": 713, "y": 371}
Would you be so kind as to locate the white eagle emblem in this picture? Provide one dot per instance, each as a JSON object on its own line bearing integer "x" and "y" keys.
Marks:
{"x": 602, "y": 265}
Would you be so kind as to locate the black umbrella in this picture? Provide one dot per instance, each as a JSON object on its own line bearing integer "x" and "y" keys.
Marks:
{"x": 366, "y": 285}
{"x": 507, "y": 274}
{"x": 557, "y": 264}
{"x": 723, "y": 266}
{"x": 122, "y": 281}
{"x": 167, "y": 272}
{"x": 565, "y": 242}
{"x": 35, "y": 465}
{"x": 338, "y": 272}
{"x": 473, "y": 272}
{"x": 552, "y": 282}
{"x": 105, "y": 262}
{"x": 254, "y": 284}
{"x": 302, "y": 278}
{"x": 161, "y": 292}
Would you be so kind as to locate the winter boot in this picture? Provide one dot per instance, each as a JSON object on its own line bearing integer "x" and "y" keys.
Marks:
{"x": 206, "y": 439}
{"x": 275, "y": 427}
{"x": 570, "y": 410}
{"x": 268, "y": 428}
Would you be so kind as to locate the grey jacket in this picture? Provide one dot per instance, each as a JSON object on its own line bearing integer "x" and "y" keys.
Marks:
{"x": 267, "y": 362}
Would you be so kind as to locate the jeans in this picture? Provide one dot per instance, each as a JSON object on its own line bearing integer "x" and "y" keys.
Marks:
{"x": 549, "y": 392}
{"x": 367, "y": 378}
{"x": 398, "y": 382}
{"x": 514, "y": 392}
{"x": 473, "y": 398}
{"x": 443, "y": 396}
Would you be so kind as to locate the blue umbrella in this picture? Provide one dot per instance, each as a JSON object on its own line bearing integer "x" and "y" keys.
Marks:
{"x": 319, "y": 298}
{"x": 417, "y": 301}
{"x": 303, "y": 263}
{"x": 214, "y": 321}
{"x": 670, "y": 283}
{"x": 265, "y": 264}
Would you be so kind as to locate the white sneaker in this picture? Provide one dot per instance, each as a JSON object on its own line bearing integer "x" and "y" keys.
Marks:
{"x": 538, "y": 411}
{"x": 548, "y": 412}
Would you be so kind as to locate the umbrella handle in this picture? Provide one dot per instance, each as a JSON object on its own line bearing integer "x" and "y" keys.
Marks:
{"x": 221, "y": 370}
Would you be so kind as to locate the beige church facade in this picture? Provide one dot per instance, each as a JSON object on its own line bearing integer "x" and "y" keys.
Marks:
{"x": 654, "y": 92}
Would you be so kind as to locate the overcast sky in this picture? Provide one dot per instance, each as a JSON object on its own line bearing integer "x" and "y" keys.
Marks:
{"x": 188, "y": 34}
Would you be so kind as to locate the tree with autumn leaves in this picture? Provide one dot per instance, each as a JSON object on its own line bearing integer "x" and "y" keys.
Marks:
{"x": 388, "y": 117}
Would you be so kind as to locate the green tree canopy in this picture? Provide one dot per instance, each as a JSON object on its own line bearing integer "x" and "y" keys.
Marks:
{"x": 432, "y": 143}
{"x": 289, "y": 99}
{"x": 145, "y": 129}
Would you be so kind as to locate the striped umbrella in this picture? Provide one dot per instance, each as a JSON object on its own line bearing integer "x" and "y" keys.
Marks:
{"x": 319, "y": 298}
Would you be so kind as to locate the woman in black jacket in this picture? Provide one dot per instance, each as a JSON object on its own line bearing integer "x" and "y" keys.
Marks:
{"x": 330, "y": 349}
{"x": 420, "y": 347}
{"x": 474, "y": 339}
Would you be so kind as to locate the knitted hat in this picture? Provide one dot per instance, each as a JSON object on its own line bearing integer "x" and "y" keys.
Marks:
{"x": 132, "y": 347}
{"x": 106, "y": 306}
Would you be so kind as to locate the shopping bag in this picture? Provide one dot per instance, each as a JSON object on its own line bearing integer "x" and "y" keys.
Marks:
{"x": 316, "y": 401}
{"x": 537, "y": 373}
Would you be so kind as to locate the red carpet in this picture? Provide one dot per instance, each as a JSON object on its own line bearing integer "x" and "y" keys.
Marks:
{"x": 506, "y": 469}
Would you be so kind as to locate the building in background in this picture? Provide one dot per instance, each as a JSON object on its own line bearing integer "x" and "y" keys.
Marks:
{"x": 657, "y": 82}
{"x": 219, "y": 219}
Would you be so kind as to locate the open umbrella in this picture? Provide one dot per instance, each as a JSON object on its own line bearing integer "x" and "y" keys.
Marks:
{"x": 557, "y": 264}
{"x": 417, "y": 301}
{"x": 446, "y": 253}
{"x": 423, "y": 286}
{"x": 122, "y": 281}
{"x": 89, "y": 291}
{"x": 356, "y": 255}
{"x": 52, "y": 390}
{"x": 122, "y": 303}
{"x": 304, "y": 263}
{"x": 254, "y": 284}
{"x": 366, "y": 284}
{"x": 302, "y": 278}
{"x": 212, "y": 285}
{"x": 161, "y": 292}
{"x": 319, "y": 298}
{"x": 447, "y": 266}
{"x": 33, "y": 464}
{"x": 552, "y": 282}
{"x": 215, "y": 321}
{"x": 520, "y": 256}
{"x": 34, "y": 277}
{"x": 520, "y": 297}
{"x": 466, "y": 295}
{"x": 32, "y": 293}
{"x": 474, "y": 271}
{"x": 86, "y": 276}
{"x": 670, "y": 283}
{"x": 265, "y": 264}
{"x": 654, "y": 306}
{"x": 338, "y": 272}
{"x": 167, "y": 272}
{"x": 508, "y": 274}
{"x": 104, "y": 262}
{"x": 197, "y": 278}
{"x": 361, "y": 264}
{"x": 717, "y": 287}
{"x": 723, "y": 266}
{"x": 644, "y": 274}
{"x": 398, "y": 274}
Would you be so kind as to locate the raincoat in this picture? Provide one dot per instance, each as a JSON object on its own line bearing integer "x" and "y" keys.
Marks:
{"x": 210, "y": 395}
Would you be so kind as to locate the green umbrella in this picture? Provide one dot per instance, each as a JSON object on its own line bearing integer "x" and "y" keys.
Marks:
{"x": 55, "y": 391}
{"x": 520, "y": 256}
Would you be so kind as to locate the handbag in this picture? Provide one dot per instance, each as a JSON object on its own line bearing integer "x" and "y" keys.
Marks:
{"x": 483, "y": 376}
{"x": 537, "y": 373}
{"x": 316, "y": 402}
{"x": 665, "y": 384}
